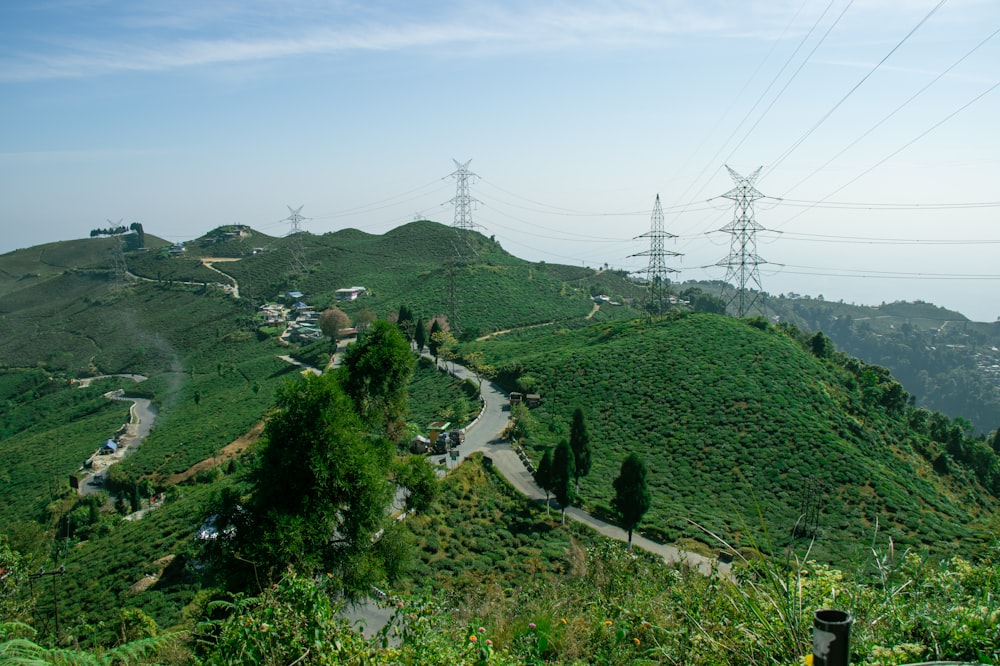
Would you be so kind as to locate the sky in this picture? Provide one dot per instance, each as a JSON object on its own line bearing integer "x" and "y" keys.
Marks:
{"x": 873, "y": 123}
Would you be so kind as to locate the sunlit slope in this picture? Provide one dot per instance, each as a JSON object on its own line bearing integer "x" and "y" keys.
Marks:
{"x": 736, "y": 422}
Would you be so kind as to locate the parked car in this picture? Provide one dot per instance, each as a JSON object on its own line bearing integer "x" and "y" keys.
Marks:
{"x": 456, "y": 437}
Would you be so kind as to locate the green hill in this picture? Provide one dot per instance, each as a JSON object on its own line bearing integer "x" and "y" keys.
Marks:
{"x": 736, "y": 420}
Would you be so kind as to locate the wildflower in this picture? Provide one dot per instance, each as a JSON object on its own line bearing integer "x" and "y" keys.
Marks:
{"x": 482, "y": 630}
{"x": 473, "y": 639}
{"x": 264, "y": 627}
{"x": 399, "y": 604}
{"x": 562, "y": 620}
{"x": 607, "y": 623}
{"x": 636, "y": 641}
{"x": 531, "y": 625}
{"x": 489, "y": 642}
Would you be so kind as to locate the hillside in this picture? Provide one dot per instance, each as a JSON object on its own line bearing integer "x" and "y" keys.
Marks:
{"x": 948, "y": 363}
{"x": 431, "y": 268}
{"x": 735, "y": 421}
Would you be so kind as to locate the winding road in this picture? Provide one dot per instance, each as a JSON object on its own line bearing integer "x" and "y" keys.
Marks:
{"x": 484, "y": 436}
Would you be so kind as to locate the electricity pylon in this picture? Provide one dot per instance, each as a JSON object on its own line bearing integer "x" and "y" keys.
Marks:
{"x": 743, "y": 261}
{"x": 657, "y": 273}
{"x": 295, "y": 218}
{"x": 463, "y": 201}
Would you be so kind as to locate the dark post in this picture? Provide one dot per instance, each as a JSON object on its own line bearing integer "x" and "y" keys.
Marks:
{"x": 831, "y": 637}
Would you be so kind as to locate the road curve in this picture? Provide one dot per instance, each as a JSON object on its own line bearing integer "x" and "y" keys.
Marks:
{"x": 485, "y": 436}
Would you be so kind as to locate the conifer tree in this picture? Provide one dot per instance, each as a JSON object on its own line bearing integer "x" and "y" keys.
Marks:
{"x": 579, "y": 441}
{"x": 562, "y": 476}
{"x": 420, "y": 335}
{"x": 632, "y": 499}
{"x": 543, "y": 476}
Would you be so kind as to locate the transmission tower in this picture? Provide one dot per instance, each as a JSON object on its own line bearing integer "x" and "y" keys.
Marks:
{"x": 295, "y": 219}
{"x": 295, "y": 247}
{"x": 743, "y": 260}
{"x": 657, "y": 273}
{"x": 463, "y": 201}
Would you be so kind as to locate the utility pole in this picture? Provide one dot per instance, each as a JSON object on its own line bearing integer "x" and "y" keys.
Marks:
{"x": 657, "y": 273}
{"x": 743, "y": 261}
{"x": 463, "y": 201}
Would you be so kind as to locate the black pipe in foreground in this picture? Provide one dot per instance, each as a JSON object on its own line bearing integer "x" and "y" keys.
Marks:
{"x": 831, "y": 637}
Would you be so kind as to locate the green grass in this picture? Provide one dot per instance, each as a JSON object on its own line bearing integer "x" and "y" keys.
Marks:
{"x": 729, "y": 417}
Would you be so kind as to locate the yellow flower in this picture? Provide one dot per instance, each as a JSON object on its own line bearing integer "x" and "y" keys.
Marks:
{"x": 473, "y": 639}
{"x": 607, "y": 623}
{"x": 636, "y": 641}
{"x": 562, "y": 620}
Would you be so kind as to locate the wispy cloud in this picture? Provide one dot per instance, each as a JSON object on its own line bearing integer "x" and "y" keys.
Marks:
{"x": 149, "y": 39}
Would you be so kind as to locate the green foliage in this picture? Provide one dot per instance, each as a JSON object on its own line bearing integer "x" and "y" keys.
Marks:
{"x": 416, "y": 475}
{"x": 632, "y": 498}
{"x": 579, "y": 441}
{"x": 319, "y": 494}
{"x": 375, "y": 373}
{"x": 720, "y": 410}
{"x": 293, "y": 621}
{"x": 18, "y": 649}
{"x": 561, "y": 476}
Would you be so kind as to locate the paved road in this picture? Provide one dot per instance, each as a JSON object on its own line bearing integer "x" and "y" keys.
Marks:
{"x": 142, "y": 415}
{"x": 484, "y": 436}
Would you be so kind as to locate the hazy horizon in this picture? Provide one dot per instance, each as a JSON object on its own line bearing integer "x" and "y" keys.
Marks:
{"x": 874, "y": 123}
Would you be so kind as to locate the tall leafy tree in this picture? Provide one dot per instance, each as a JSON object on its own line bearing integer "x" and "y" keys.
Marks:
{"x": 562, "y": 476}
{"x": 632, "y": 498}
{"x": 332, "y": 321}
{"x": 404, "y": 320}
{"x": 320, "y": 493}
{"x": 433, "y": 341}
{"x": 579, "y": 441}
{"x": 543, "y": 476}
{"x": 375, "y": 373}
{"x": 420, "y": 335}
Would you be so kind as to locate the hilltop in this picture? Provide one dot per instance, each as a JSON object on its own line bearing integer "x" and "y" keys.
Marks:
{"x": 737, "y": 419}
{"x": 746, "y": 426}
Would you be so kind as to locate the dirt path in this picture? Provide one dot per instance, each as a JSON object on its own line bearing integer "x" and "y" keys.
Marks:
{"x": 230, "y": 451}
{"x": 208, "y": 262}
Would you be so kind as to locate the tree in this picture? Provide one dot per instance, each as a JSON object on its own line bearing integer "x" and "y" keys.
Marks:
{"x": 579, "y": 441}
{"x": 432, "y": 343}
{"x": 363, "y": 318}
{"x": 405, "y": 321}
{"x": 445, "y": 346}
{"x": 376, "y": 372}
{"x": 420, "y": 336}
{"x": 543, "y": 476}
{"x": 320, "y": 494}
{"x": 332, "y": 321}
{"x": 417, "y": 477}
{"x": 632, "y": 499}
{"x": 475, "y": 362}
{"x": 562, "y": 476}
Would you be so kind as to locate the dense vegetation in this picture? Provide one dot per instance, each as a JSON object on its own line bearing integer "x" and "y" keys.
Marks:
{"x": 734, "y": 418}
{"x": 762, "y": 434}
{"x": 948, "y": 363}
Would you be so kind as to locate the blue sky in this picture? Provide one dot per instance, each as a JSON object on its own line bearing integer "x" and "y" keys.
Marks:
{"x": 875, "y": 122}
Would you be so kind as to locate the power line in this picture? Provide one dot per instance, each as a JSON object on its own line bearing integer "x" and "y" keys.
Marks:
{"x": 897, "y": 109}
{"x": 862, "y": 240}
{"x": 788, "y": 151}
